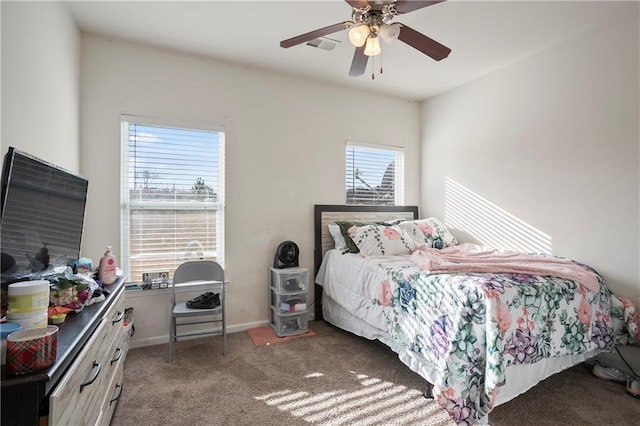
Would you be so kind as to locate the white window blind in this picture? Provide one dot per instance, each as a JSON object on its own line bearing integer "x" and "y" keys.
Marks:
{"x": 172, "y": 197}
{"x": 374, "y": 174}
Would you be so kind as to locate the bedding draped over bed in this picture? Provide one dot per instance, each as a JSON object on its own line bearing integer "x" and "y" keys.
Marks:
{"x": 469, "y": 327}
{"x": 474, "y": 258}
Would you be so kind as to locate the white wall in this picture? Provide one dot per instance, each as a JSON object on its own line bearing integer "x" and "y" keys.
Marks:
{"x": 285, "y": 144}
{"x": 552, "y": 140}
{"x": 40, "y": 82}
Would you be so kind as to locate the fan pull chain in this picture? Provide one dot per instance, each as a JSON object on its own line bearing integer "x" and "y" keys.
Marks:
{"x": 373, "y": 72}
{"x": 373, "y": 66}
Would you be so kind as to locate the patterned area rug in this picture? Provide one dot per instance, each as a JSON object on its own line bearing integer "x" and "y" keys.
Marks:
{"x": 266, "y": 335}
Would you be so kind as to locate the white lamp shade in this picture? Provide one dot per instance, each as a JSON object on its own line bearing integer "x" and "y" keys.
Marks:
{"x": 358, "y": 35}
{"x": 373, "y": 47}
{"x": 389, "y": 33}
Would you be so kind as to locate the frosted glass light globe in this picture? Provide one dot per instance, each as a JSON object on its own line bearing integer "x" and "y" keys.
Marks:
{"x": 358, "y": 35}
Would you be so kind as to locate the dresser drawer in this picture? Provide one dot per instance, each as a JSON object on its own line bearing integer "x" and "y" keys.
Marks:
{"x": 71, "y": 401}
{"x": 112, "y": 397}
{"x": 115, "y": 355}
{"x": 116, "y": 349}
{"x": 115, "y": 316}
{"x": 78, "y": 397}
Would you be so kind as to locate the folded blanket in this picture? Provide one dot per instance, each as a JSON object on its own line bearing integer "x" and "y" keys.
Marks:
{"x": 474, "y": 258}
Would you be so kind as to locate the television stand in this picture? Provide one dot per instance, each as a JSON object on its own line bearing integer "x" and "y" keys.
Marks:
{"x": 92, "y": 347}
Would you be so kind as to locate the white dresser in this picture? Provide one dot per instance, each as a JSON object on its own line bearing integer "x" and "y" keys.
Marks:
{"x": 95, "y": 377}
{"x": 83, "y": 386}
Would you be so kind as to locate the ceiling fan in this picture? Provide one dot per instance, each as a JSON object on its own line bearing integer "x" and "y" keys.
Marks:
{"x": 370, "y": 22}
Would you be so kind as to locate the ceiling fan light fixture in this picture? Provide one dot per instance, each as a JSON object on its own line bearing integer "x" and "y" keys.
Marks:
{"x": 358, "y": 35}
{"x": 372, "y": 47}
{"x": 370, "y": 19}
{"x": 389, "y": 32}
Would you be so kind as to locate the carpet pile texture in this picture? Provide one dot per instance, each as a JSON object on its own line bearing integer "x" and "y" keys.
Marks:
{"x": 332, "y": 378}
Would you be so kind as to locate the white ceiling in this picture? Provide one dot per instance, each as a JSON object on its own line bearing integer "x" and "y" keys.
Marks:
{"x": 484, "y": 36}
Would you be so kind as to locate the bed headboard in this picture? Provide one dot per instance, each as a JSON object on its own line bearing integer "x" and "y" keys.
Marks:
{"x": 325, "y": 214}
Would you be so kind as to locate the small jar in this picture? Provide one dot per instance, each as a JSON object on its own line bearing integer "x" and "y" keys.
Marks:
{"x": 6, "y": 329}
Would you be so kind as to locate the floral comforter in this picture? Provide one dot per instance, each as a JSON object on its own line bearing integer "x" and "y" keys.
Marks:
{"x": 471, "y": 326}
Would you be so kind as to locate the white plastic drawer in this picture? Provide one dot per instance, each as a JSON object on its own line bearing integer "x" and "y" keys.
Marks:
{"x": 289, "y": 324}
{"x": 289, "y": 302}
{"x": 290, "y": 279}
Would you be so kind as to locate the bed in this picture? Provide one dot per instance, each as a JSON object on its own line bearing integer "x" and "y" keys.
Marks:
{"x": 479, "y": 339}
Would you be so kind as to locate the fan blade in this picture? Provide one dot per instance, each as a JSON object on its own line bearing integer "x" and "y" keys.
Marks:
{"x": 359, "y": 63}
{"x": 421, "y": 42}
{"x": 313, "y": 34}
{"x": 358, "y": 4}
{"x": 406, "y": 6}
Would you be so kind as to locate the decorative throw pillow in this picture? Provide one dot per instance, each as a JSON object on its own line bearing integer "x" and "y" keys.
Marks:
{"x": 345, "y": 225}
{"x": 338, "y": 239}
{"x": 376, "y": 240}
{"x": 344, "y": 229}
{"x": 430, "y": 231}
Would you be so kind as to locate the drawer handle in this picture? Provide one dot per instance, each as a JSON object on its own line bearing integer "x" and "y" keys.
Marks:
{"x": 95, "y": 376}
{"x": 119, "y": 352}
{"x": 119, "y": 388}
{"x": 118, "y": 318}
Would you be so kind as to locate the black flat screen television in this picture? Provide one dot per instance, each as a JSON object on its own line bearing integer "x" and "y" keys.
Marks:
{"x": 43, "y": 209}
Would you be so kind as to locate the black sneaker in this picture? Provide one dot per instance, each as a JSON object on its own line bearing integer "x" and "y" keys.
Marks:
{"x": 216, "y": 299}
{"x": 204, "y": 301}
{"x": 200, "y": 297}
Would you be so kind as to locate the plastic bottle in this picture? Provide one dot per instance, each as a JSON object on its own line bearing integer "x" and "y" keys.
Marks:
{"x": 43, "y": 257}
{"x": 108, "y": 267}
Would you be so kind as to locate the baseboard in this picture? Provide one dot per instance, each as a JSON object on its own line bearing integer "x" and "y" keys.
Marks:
{"x": 160, "y": 340}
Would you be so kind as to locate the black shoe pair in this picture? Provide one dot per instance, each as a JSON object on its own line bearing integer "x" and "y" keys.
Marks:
{"x": 208, "y": 300}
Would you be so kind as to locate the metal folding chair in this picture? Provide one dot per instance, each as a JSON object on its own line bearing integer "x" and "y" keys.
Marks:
{"x": 207, "y": 275}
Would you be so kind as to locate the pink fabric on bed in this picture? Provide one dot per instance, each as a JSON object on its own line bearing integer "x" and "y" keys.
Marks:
{"x": 474, "y": 258}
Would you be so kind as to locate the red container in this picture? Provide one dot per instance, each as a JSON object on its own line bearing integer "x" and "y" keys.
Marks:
{"x": 31, "y": 349}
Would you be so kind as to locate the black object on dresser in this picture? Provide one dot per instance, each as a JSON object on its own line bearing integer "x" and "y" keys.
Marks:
{"x": 28, "y": 398}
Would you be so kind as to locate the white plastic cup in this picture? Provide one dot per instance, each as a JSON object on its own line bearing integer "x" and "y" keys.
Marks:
{"x": 28, "y": 296}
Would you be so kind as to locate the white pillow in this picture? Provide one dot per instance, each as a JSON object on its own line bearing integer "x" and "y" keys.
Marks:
{"x": 376, "y": 240}
{"x": 338, "y": 239}
{"x": 430, "y": 231}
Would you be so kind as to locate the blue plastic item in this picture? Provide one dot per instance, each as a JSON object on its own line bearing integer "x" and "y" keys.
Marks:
{"x": 6, "y": 328}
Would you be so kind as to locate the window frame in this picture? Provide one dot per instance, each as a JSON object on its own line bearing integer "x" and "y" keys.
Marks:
{"x": 126, "y": 203}
{"x": 399, "y": 175}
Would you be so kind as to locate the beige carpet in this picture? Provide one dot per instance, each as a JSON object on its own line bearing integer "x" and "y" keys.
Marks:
{"x": 266, "y": 335}
{"x": 333, "y": 378}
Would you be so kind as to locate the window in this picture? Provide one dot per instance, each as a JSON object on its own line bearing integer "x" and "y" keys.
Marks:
{"x": 375, "y": 174}
{"x": 172, "y": 197}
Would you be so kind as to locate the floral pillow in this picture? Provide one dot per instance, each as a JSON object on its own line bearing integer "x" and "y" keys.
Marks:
{"x": 346, "y": 225}
{"x": 376, "y": 240}
{"x": 430, "y": 231}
